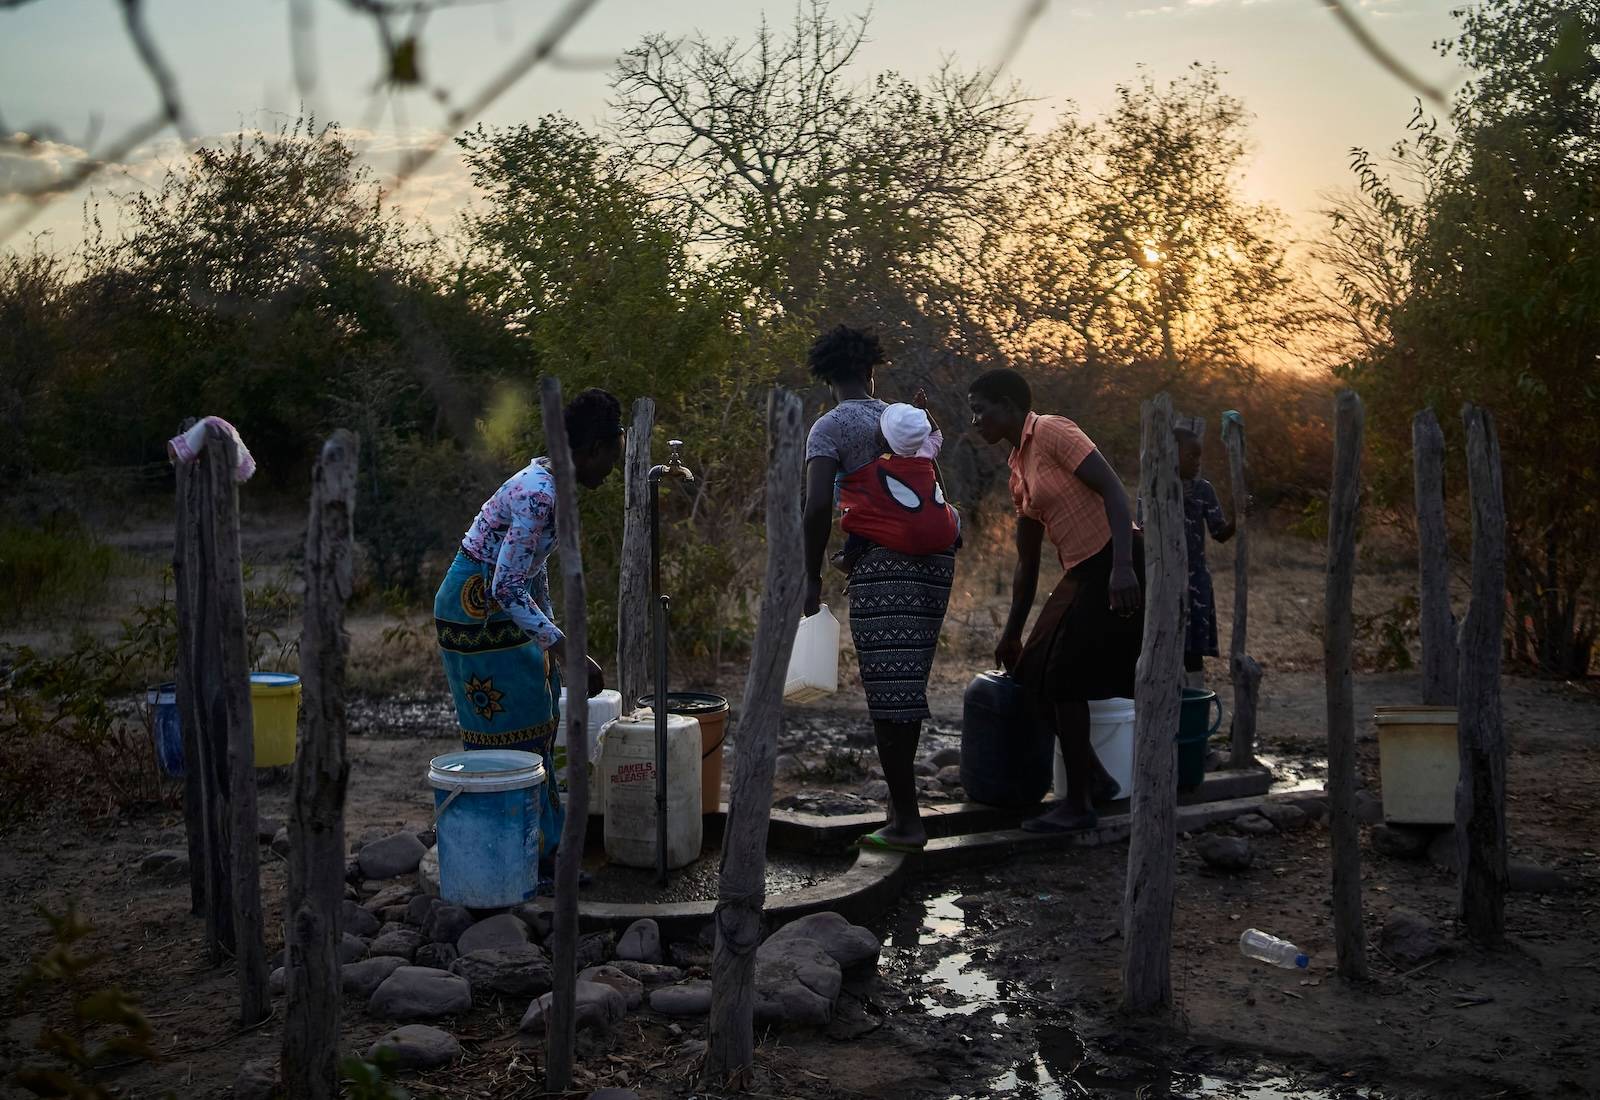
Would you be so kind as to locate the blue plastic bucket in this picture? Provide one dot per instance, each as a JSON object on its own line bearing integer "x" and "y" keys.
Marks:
{"x": 486, "y": 809}
{"x": 168, "y": 735}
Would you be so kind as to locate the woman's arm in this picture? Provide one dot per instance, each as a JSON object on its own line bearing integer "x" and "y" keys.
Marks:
{"x": 1095, "y": 472}
{"x": 1222, "y": 529}
{"x": 516, "y": 577}
{"x": 816, "y": 525}
{"x": 1024, "y": 585}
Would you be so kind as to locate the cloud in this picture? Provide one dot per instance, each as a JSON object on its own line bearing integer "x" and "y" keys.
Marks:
{"x": 27, "y": 167}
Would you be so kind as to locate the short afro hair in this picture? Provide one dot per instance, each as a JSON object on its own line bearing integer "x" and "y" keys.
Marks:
{"x": 843, "y": 354}
{"x": 1001, "y": 384}
{"x": 593, "y": 417}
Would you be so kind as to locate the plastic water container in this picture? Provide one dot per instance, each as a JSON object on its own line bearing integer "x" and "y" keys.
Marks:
{"x": 603, "y": 709}
{"x": 627, "y": 771}
{"x": 165, "y": 729}
{"x": 486, "y": 810}
{"x": 275, "y": 706}
{"x": 1418, "y": 763}
{"x": 814, "y": 663}
{"x": 711, "y": 711}
{"x": 1111, "y": 737}
{"x": 1005, "y": 751}
{"x": 1196, "y": 724}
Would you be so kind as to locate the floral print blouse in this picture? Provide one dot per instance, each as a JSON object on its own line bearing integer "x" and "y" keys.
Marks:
{"x": 516, "y": 532}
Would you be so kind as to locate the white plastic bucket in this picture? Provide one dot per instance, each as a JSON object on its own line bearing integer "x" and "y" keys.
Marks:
{"x": 627, "y": 772}
{"x": 1419, "y": 763}
{"x": 1111, "y": 737}
{"x": 814, "y": 663}
{"x": 486, "y": 810}
{"x": 604, "y": 709}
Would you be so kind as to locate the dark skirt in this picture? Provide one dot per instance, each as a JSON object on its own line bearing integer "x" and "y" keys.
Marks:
{"x": 897, "y": 606}
{"x": 1079, "y": 648}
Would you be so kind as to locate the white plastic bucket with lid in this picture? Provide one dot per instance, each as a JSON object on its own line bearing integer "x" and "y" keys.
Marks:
{"x": 1111, "y": 737}
{"x": 627, "y": 771}
{"x": 486, "y": 811}
{"x": 814, "y": 662}
{"x": 1419, "y": 763}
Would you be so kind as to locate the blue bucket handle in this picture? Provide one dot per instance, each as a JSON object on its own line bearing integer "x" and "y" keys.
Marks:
{"x": 1216, "y": 725}
{"x": 455, "y": 793}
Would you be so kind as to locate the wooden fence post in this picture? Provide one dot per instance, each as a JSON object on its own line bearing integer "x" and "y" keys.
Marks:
{"x": 1481, "y": 788}
{"x": 1246, "y": 671}
{"x": 562, "y": 1036}
{"x": 197, "y": 792}
{"x": 741, "y": 889}
{"x": 310, "y": 1058}
{"x": 227, "y": 576}
{"x": 633, "y": 582}
{"x": 1433, "y": 558}
{"x": 1152, "y": 858}
{"x": 1350, "y": 936}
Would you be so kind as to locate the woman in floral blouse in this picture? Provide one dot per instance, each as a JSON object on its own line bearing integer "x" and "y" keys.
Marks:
{"x": 503, "y": 654}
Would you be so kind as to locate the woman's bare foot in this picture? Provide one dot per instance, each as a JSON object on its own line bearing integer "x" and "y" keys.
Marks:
{"x": 1061, "y": 819}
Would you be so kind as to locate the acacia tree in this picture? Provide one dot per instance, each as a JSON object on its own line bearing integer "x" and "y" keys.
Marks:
{"x": 1500, "y": 241}
{"x": 1132, "y": 242}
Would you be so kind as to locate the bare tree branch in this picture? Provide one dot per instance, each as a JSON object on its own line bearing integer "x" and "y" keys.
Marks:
{"x": 1379, "y": 53}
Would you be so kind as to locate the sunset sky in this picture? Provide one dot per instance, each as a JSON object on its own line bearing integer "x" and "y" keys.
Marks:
{"x": 67, "y": 69}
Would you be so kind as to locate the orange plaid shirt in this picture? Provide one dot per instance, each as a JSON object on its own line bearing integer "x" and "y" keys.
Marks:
{"x": 1045, "y": 487}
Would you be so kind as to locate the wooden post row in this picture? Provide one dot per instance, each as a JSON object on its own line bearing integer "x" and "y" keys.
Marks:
{"x": 1343, "y": 508}
{"x": 633, "y": 582}
{"x": 1433, "y": 557}
{"x": 1147, "y": 901}
{"x": 1481, "y": 787}
{"x": 1246, "y": 672}
{"x": 741, "y": 888}
{"x": 562, "y": 1035}
{"x": 310, "y": 1055}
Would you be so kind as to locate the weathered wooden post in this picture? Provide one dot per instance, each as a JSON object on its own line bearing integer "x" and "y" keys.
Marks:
{"x": 1246, "y": 671}
{"x": 562, "y": 1036}
{"x": 199, "y": 796}
{"x": 1481, "y": 788}
{"x": 1147, "y": 901}
{"x": 633, "y": 581}
{"x": 1350, "y": 936}
{"x": 741, "y": 890}
{"x": 1433, "y": 558}
{"x": 310, "y": 1058}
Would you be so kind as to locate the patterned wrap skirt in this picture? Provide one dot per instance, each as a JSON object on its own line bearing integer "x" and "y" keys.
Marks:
{"x": 897, "y": 606}
{"x": 506, "y": 689}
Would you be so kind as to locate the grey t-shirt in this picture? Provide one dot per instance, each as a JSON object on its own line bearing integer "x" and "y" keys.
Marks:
{"x": 848, "y": 434}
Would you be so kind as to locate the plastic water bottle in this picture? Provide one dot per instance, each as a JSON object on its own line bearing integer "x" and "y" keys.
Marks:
{"x": 1256, "y": 944}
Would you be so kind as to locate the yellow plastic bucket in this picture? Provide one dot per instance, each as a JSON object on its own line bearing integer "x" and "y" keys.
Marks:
{"x": 1418, "y": 763}
{"x": 275, "y": 706}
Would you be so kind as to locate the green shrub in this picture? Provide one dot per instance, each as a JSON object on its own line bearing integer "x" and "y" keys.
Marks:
{"x": 59, "y": 564}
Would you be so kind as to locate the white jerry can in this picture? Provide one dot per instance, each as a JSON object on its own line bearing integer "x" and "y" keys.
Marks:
{"x": 627, "y": 773}
{"x": 814, "y": 662}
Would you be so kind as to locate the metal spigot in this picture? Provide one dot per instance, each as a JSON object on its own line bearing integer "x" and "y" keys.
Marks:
{"x": 673, "y": 467}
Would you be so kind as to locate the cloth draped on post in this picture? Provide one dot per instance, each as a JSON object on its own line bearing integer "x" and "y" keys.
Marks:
{"x": 506, "y": 688}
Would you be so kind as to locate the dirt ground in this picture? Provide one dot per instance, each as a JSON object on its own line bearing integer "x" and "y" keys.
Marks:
{"x": 996, "y": 982}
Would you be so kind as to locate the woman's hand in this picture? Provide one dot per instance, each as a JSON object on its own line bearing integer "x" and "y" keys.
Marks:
{"x": 813, "y": 597}
{"x": 1124, "y": 585}
{"x": 597, "y": 677}
{"x": 1008, "y": 651}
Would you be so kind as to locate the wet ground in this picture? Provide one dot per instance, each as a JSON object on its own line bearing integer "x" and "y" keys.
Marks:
{"x": 786, "y": 871}
{"x": 1024, "y": 1039}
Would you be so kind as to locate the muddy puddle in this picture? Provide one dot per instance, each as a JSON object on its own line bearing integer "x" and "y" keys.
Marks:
{"x": 1021, "y": 1040}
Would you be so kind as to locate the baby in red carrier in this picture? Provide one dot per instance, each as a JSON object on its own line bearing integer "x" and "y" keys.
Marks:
{"x": 896, "y": 501}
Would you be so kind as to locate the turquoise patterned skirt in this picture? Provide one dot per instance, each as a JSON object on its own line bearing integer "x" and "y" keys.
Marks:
{"x": 506, "y": 689}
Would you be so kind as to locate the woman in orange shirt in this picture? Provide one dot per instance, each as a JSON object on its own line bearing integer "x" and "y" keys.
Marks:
{"x": 1085, "y": 644}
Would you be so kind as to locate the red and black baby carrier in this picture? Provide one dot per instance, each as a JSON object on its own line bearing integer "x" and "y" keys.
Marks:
{"x": 896, "y": 503}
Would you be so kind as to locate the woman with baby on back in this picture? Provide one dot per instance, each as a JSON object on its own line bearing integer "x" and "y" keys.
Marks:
{"x": 900, "y": 559}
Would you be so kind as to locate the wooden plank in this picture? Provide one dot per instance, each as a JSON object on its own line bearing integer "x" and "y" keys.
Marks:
{"x": 1433, "y": 559}
{"x": 562, "y": 1035}
{"x": 310, "y": 1054}
{"x": 1152, "y": 856}
{"x": 742, "y": 885}
{"x": 633, "y": 582}
{"x": 227, "y": 575}
{"x": 1481, "y": 788}
{"x": 1245, "y": 670}
{"x": 1350, "y": 936}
